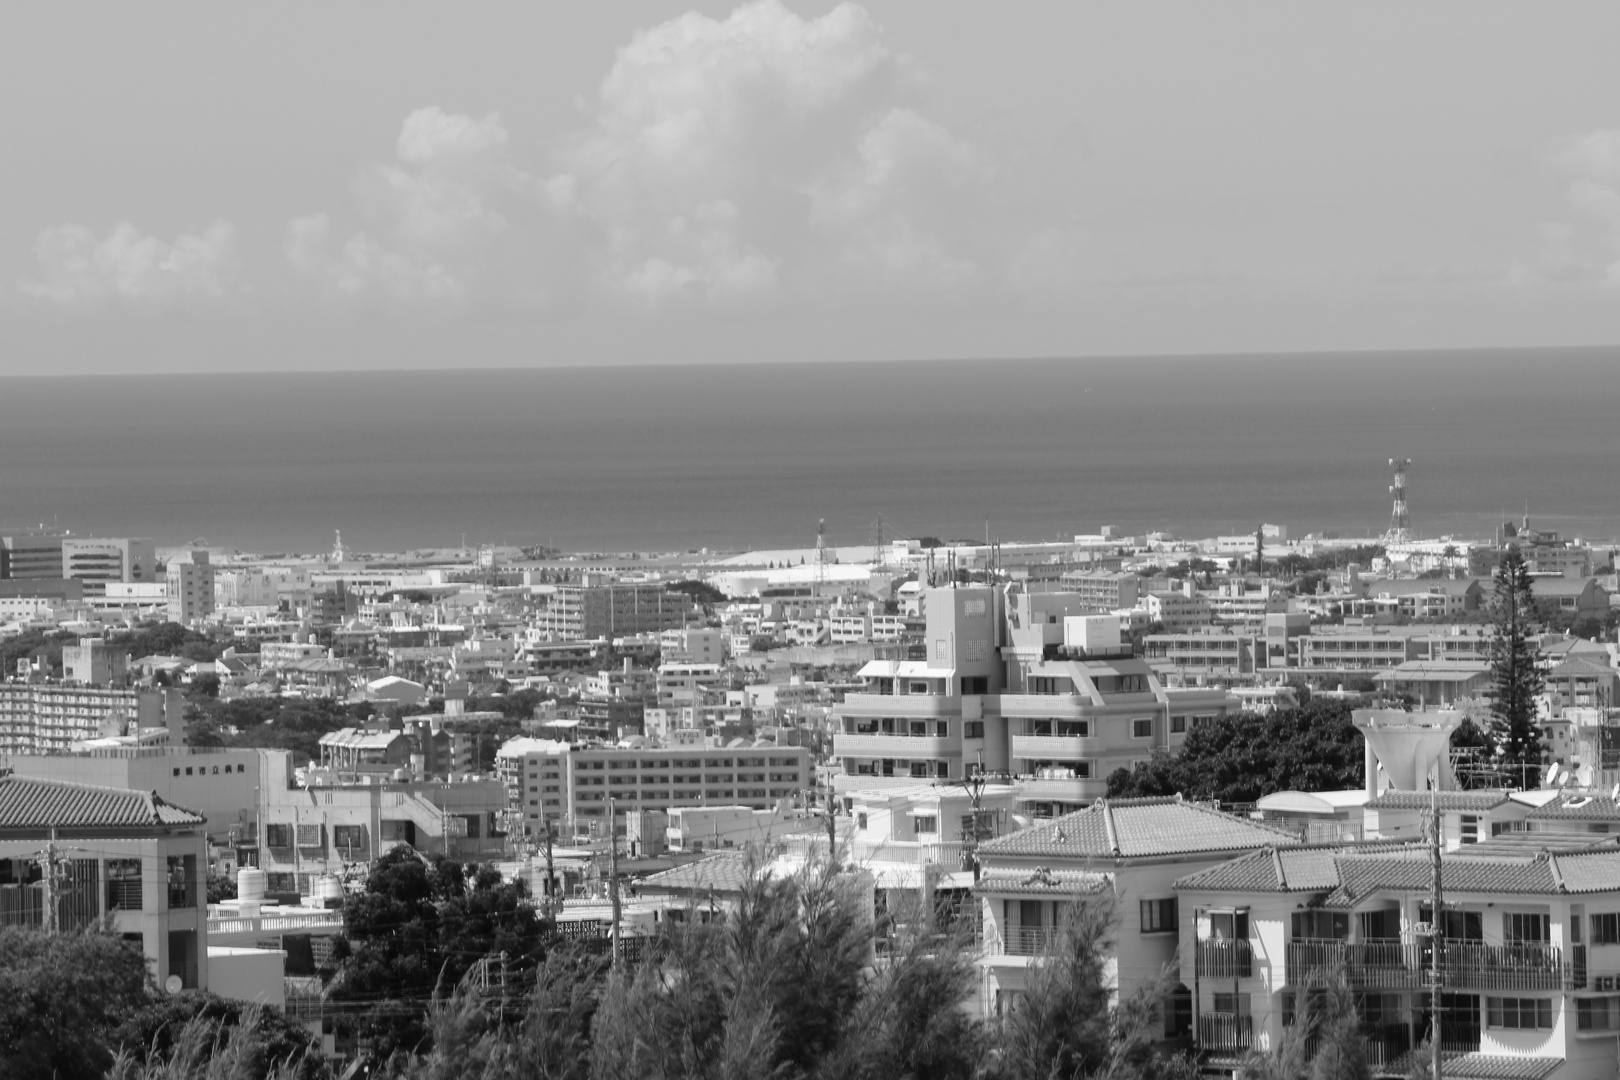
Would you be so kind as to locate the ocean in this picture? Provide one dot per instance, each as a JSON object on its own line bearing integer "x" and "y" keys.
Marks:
{"x": 727, "y": 457}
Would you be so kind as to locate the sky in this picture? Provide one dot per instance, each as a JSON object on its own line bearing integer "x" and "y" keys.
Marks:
{"x": 204, "y": 187}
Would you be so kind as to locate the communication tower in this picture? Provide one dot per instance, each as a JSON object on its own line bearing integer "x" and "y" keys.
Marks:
{"x": 821, "y": 556}
{"x": 1400, "y": 526}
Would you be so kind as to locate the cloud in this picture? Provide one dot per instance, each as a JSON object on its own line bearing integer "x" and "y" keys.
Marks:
{"x": 431, "y": 216}
{"x": 361, "y": 267}
{"x": 1592, "y": 163}
{"x": 130, "y": 267}
{"x": 765, "y": 152}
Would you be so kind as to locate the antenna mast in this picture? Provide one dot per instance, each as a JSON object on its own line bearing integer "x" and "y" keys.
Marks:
{"x": 1400, "y": 526}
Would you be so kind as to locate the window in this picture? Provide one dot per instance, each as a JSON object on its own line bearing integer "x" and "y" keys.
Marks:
{"x": 1178, "y": 725}
{"x": 1232, "y": 1004}
{"x": 1606, "y": 928}
{"x": 1229, "y": 925}
{"x": 973, "y": 729}
{"x": 926, "y": 824}
{"x": 975, "y": 684}
{"x": 1522, "y": 1014}
{"x": 1159, "y": 916}
{"x": 860, "y": 821}
{"x": 1141, "y": 729}
{"x": 1321, "y": 926}
{"x": 942, "y": 728}
{"x": 278, "y": 836}
{"x": 1525, "y": 928}
{"x": 1470, "y": 829}
{"x": 1597, "y": 1014}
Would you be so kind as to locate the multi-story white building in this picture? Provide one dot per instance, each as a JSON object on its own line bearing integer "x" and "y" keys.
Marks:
{"x": 1015, "y": 683}
{"x": 602, "y": 609}
{"x": 39, "y": 718}
{"x": 31, "y": 555}
{"x": 190, "y": 581}
{"x": 1530, "y": 976}
{"x": 571, "y": 786}
{"x": 99, "y": 562}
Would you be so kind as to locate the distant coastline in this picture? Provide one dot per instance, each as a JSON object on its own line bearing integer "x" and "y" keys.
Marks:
{"x": 721, "y": 456}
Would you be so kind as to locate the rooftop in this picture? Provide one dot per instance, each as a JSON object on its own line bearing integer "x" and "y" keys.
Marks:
{"x": 1127, "y": 828}
{"x": 29, "y": 803}
{"x": 1463, "y": 801}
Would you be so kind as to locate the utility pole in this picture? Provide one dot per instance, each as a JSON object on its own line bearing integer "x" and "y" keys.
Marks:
{"x": 552, "y": 899}
{"x": 47, "y": 866}
{"x": 1437, "y": 931}
{"x": 613, "y": 881}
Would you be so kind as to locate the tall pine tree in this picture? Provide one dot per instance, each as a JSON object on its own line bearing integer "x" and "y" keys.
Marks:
{"x": 1516, "y": 669}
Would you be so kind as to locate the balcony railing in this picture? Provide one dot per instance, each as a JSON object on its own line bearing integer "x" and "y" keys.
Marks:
{"x": 1225, "y": 959}
{"x": 1030, "y": 940}
{"x": 1473, "y": 966}
{"x": 1225, "y": 1031}
{"x": 1381, "y": 965}
{"x": 124, "y": 894}
{"x": 1468, "y": 965}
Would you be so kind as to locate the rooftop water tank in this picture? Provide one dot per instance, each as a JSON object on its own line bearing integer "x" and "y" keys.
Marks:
{"x": 251, "y": 883}
{"x": 1406, "y": 745}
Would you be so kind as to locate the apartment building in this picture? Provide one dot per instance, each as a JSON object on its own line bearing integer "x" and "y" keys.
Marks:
{"x": 39, "y": 718}
{"x": 686, "y": 684}
{"x": 1128, "y": 852}
{"x": 693, "y": 645}
{"x": 1355, "y": 652}
{"x": 1105, "y": 591}
{"x": 602, "y": 609}
{"x": 190, "y": 584}
{"x": 93, "y": 662}
{"x": 327, "y": 821}
{"x": 31, "y": 556}
{"x": 1530, "y": 978}
{"x": 1014, "y": 683}
{"x": 1177, "y": 611}
{"x": 129, "y": 858}
{"x": 98, "y": 562}
{"x": 571, "y": 785}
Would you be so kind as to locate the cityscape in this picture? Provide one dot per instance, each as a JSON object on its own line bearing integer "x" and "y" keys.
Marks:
{"x": 219, "y": 756}
{"x": 810, "y": 540}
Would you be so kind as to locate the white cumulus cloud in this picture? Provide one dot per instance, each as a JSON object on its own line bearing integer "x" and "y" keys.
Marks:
{"x": 1592, "y": 163}
{"x": 126, "y": 265}
{"x": 361, "y": 267}
{"x": 762, "y": 151}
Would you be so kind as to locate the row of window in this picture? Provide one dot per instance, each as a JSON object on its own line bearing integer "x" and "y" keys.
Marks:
{"x": 202, "y": 770}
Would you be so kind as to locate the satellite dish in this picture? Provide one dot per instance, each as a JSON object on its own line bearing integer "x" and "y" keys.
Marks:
{"x": 174, "y": 984}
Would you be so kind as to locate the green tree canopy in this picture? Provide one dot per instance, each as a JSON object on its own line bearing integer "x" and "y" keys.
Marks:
{"x": 1241, "y": 757}
{"x": 1516, "y": 670}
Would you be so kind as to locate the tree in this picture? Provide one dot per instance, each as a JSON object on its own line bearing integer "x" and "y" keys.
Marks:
{"x": 168, "y": 1035}
{"x": 1241, "y": 757}
{"x": 1516, "y": 669}
{"x": 417, "y": 929}
{"x": 61, "y": 998}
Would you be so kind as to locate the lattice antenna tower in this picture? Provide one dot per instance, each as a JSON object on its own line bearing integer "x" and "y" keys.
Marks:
{"x": 821, "y": 556}
{"x": 1400, "y": 525}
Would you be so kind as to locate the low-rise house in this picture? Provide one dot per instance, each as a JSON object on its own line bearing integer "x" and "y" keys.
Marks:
{"x": 1124, "y": 851}
{"x": 1530, "y": 958}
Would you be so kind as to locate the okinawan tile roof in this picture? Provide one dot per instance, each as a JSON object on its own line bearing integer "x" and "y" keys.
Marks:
{"x": 28, "y": 802}
{"x": 1127, "y": 828}
{"x": 1307, "y": 868}
{"x": 1578, "y": 664}
{"x": 1588, "y": 872}
{"x": 1467, "y": 801}
{"x": 1578, "y": 806}
{"x": 1043, "y": 882}
{"x": 723, "y": 872}
{"x": 1477, "y": 1066}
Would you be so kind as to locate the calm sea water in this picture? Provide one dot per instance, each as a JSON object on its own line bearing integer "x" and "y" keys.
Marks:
{"x": 678, "y": 457}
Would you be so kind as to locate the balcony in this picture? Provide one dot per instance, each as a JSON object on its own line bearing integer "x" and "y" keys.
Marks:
{"x": 1055, "y": 747}
{"x": 124, "y": 894}
{"x": 1468, "y": 965}
{"x": 1030, "y": 940}
{"x": 1225, "y": 959}
{"x": 901, "y": 705}
{"x": 1371, "y": 965}
{"x": 1225, "y": 1031}
{"x": 895, "y": 746}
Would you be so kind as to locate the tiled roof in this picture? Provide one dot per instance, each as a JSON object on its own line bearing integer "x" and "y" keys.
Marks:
{"x": 1466, "y": 801}
{"x": 725, "y": 872}
{"x": 1578, "y": 806}
{"x": 1043, "y": 882}
{"x": 1578, "y": 664}
{"x": 1597, "y": 871}
{"x": 28, "y": 802}
{"x": 1307, "y": 868}
{"x": 1477, "y": 1066}
{"x": 1125, "y": 828}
